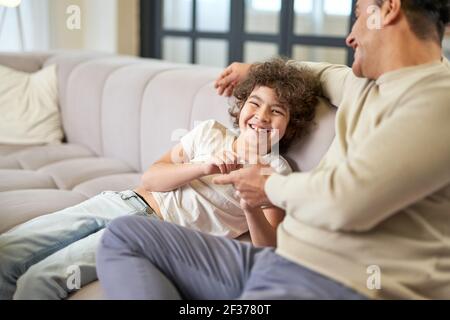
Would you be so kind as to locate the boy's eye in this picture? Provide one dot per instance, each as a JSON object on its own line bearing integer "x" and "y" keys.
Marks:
{"x": 277, "y": 112}
{"x": 254, "y": 104}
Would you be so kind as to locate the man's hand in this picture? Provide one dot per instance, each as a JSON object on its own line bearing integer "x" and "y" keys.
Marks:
{"x": 230, "y": 77}
{"x": 249, "y": 183}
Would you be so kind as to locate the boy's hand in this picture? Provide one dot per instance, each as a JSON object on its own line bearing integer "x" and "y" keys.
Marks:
{"x": 249, "y": 183}
{"x": 223, "y": 163}
{"x": 230, "y": 77}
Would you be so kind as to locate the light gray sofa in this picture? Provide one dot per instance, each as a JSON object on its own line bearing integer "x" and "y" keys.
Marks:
{"x": 119, "y": 115}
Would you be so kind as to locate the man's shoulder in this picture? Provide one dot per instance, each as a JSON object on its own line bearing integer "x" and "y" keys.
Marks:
{"x": 427, "y": 84}
{"x": 434, "y": 85}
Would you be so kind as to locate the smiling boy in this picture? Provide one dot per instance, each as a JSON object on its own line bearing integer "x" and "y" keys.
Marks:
{"x": 177, "y": 188}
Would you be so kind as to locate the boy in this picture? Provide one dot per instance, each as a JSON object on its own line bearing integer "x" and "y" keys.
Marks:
{"x": 178, "y": 188}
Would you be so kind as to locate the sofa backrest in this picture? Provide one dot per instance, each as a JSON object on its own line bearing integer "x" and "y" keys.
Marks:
{"x": 135, "y": 109}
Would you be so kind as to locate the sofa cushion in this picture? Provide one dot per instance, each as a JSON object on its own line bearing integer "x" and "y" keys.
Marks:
{"x": 24, "y": 179}
{"x": 70, "y": 173}
{"x": 118, "y": 182}
{"x": 67, "y": 62}
{"x": 82, "y": 110}
{"x": 38, "y": 157}
{"x": 306, "y": 154}
{"x": 209, "y": 105}
{"x": 20, "y": 206}
{"x": 29, "y": 107}
{"x": 8, "y": 162}
{"x": 6, "y": 149}
{"x": 121, "y": 110}
{"x": 166, "y": 113}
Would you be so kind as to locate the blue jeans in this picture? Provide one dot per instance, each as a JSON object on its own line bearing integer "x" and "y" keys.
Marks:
{"x": 140, "y": 258}
{"x": 53, "y": 255}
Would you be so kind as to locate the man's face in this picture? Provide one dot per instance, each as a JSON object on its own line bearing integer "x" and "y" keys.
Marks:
{"x": 364, "y": 40}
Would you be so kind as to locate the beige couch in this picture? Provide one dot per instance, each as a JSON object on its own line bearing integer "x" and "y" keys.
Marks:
{"x": 119, "y": 115}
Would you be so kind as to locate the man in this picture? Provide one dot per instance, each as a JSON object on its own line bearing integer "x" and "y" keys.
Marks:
{"x": 371, "y": 221}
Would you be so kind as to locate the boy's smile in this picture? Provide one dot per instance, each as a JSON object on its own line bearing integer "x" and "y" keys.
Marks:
{"x": 263, "y": 119}
{"x": 259, "y": 128}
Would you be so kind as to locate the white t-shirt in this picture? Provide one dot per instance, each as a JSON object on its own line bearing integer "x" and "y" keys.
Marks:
{"x": 202, "y": 205}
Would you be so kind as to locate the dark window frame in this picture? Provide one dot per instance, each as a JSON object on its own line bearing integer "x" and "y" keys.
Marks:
{"x": 152, "y": 32}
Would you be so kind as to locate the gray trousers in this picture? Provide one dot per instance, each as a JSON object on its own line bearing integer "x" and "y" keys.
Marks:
{"x": 141, "y": 258}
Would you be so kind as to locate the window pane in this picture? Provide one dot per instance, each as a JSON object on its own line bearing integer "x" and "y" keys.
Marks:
{"x": 262, "y": 16}
{"x": 177, "y": 49}
{"x": 177, "y": 15}
{"x": 259, "y": 51}
{"x": 213, "y": 15}
{"x": 322, "y": 17}
{"x": 338, "y": 7}
{"x": 320, "y": 54}
{"x": 303, "y": 6}
{"x": 212, "y": 52}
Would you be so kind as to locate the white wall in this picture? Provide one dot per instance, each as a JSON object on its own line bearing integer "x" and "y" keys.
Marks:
{"x": 110, "y": 26}
{"x": 98, "y": 29}
{"x": 128, "y": 29}
{"x": 35, "y": 17}
{"x": 100, "y": 25}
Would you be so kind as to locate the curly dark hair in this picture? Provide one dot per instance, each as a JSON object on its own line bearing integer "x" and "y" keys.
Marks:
{"x": 296, "y": 87}
{"x": 427, "y": 18}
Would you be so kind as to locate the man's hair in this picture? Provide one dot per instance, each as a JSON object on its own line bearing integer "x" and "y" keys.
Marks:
{"x": 427, "y": 18}
{"x": 297, "y": 88}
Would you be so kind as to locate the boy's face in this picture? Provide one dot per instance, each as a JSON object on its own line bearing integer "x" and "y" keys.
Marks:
{"x": 263, "y": 116}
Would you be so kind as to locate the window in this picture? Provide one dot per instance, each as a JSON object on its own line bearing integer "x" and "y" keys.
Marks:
{"x": 34, "y": 23}
{"x": 303, "y": 7}
{"x": 266, "y": 5}
{"x": 218, "y": 32}
{"x": 337, "y": 7}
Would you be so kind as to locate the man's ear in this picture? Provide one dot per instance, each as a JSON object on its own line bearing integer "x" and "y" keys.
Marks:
{"x": 390, "y": 11}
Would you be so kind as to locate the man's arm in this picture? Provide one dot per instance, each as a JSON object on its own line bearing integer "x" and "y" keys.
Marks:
{"x": 405, "y": 159}
{"x": 333, "y": 78}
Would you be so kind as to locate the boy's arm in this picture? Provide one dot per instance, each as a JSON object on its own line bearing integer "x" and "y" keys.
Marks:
{"x": 171, "y": 172}
{"x": 262, "y": 225}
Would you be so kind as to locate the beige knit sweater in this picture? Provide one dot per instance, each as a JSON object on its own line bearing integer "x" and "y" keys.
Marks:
{"x": 380, "y": 198}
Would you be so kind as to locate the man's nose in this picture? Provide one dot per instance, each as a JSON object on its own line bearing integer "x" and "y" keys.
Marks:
{"x": 350, "y": 41}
